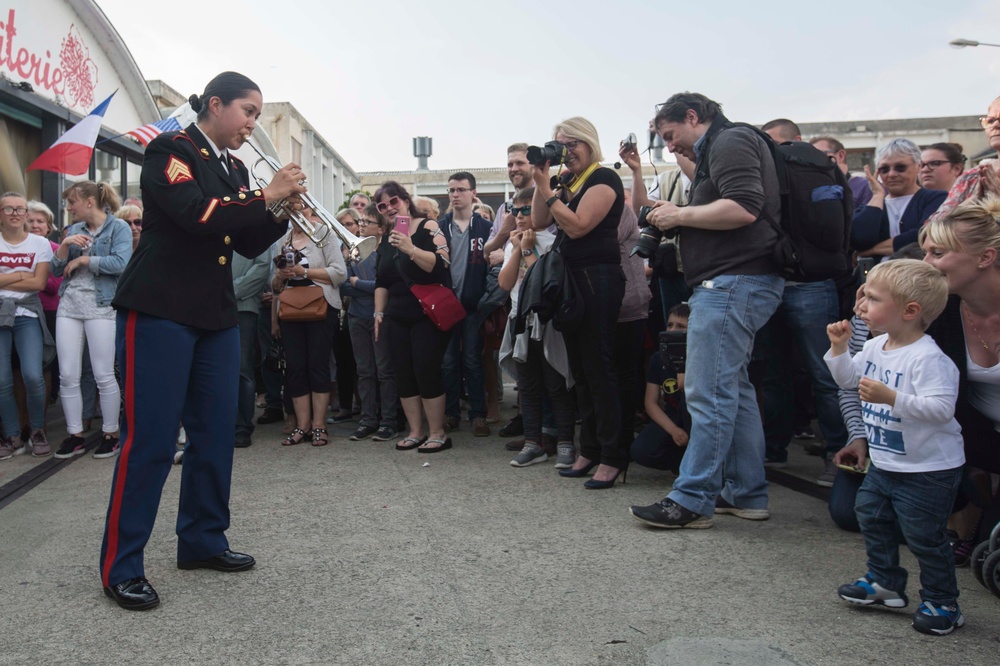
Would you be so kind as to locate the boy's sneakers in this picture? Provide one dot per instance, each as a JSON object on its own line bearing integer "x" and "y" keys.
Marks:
{"x": 71, "y": 446}
{"x": 10, "y": 447}
{"x": 670, "y": 515}
{"x": 384, "y": 434}
{"x": 108, "y": 448}
{"x": 936, "y": 620}
{"x": 531, "y": 453}
{"x": 866, "y": 591}
{"x": 39, "y": 444}
{"x": 565, "y": 456}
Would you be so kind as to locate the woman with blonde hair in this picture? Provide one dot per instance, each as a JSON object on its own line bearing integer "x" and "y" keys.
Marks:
{"x": 427, "y": 207}
{"x": 90, "y": 258}
{"x": 587, "y": 207}
{"x": 131, "y": 215}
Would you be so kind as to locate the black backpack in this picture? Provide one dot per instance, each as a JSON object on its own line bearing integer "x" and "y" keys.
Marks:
{"x": 817, "y": 207}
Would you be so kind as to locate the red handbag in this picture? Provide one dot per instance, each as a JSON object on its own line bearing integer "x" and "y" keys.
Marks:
{"x": 439, "y": 304}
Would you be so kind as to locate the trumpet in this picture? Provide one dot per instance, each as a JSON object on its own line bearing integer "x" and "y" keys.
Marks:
{"x": 318, "y": 233}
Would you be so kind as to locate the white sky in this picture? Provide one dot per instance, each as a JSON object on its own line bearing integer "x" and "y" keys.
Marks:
{"x": 477, "y": 76}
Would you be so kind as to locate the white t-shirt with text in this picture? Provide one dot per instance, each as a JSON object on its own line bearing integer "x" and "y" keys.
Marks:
{"x": 23, "y": 257}
{"x": 919, "y": 433}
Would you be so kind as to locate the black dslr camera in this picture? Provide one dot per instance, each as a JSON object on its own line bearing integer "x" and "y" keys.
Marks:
{"x": 552, "y": 152}
{"x": 673, "y": 349}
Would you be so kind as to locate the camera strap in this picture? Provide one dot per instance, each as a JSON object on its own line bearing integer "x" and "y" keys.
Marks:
{"x": 574, "y": 185}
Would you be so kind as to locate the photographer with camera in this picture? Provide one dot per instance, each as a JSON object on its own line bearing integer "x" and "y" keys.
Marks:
{"x": 727, "y": 239}
{"x": 306, "y": 285}
{"x": 586, "y": 204}
{"x": 662, "y": 253}
{"x": 661, "y": 444}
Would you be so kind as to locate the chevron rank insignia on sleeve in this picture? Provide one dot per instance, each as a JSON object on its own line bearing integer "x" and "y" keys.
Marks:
{"x": 177, "y": 171}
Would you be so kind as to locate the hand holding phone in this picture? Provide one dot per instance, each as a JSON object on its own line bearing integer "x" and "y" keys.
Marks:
{"x": 402, "y": 224}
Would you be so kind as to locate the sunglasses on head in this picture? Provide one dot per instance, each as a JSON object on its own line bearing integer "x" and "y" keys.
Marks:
{"x": 523, "y": 210}
{"x": 383, "y": 206}
{"x": 898, "y": 168}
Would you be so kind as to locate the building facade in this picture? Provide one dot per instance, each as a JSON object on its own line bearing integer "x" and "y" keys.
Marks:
{"x": 59, "y": 59}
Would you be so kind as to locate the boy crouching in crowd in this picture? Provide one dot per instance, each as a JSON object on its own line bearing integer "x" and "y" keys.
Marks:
{"x": 907, "y": 387}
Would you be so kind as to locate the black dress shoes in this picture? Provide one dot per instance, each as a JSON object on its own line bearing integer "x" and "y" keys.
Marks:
{"x": 227, "y": 560}
{"x": 133, "y": 594}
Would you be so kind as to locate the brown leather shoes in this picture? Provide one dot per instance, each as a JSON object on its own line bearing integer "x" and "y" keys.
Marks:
{"x": 479, "y": 427}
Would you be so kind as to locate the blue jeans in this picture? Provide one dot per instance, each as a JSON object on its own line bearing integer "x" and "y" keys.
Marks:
{"x": 805, "y": 310}
{"x": 464, "y": 358}
{"x": 725, "y": 420}
{"x": 26, "y": 337}
{"x": 917, "y": 505}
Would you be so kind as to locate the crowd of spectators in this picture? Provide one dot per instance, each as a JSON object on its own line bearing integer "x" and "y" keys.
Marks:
{"x": 554, "y": 296}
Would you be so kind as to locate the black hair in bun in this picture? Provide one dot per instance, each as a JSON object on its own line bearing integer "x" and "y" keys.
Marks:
{"x": 227, "y": 87}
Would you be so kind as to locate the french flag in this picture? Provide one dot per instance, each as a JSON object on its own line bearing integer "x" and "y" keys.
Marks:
{"x": 71, "y": 153}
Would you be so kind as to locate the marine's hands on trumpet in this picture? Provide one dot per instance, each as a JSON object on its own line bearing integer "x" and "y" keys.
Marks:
{"x": 287, "y": 184}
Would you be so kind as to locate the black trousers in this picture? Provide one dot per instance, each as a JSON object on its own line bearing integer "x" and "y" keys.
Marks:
{"x": 307, "y": 354}
{"x": 417, "y": 349}
{"x": 589, "y": 347}
{"x": 535, "y": 378}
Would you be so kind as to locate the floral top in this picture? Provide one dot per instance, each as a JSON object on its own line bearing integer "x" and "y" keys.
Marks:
{"x": 974, "y": 183}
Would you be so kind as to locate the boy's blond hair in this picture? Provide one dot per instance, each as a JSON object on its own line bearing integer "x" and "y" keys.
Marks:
{"x": 913, "y": 281}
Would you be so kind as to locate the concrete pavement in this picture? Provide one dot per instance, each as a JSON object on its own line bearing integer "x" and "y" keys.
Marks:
{"x": 367, "y": 556}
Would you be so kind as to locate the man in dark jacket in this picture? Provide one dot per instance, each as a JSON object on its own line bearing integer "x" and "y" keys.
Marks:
{"x": 466, "y": 233}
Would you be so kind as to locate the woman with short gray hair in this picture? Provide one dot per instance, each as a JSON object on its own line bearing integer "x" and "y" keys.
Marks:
{"x": 898, "y": 207}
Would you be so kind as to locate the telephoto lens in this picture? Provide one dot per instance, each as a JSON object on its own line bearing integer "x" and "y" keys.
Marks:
{"x": 649, "y": 237}
{"x": 552, "y": 152}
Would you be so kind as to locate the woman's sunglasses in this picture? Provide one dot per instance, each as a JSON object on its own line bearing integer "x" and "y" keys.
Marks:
{"x": 898, "y": 168}
{"x": 383, "y": 206}
{"x": 136, "y": 222}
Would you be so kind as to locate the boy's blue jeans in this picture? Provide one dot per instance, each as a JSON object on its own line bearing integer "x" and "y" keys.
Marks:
{"x": 919, "y": 503}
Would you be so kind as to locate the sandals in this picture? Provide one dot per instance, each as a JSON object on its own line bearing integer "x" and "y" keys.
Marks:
{"x": 319, "y": 437}
{"x": 410, "y": 443}
{"x": 445, "y": 444}
{"x": 294, "y": 437}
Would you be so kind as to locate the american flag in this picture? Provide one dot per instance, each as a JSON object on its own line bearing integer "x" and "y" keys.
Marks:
{"x": 147, "y": 133}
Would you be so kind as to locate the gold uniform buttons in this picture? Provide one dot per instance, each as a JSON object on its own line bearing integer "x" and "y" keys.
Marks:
{"x": 227, "y": 240}
{"x": 227, "y": 199}
{"x": 257, "y": 193}
{"x": 243, "y": 195}
{"x": 222, "y": 261}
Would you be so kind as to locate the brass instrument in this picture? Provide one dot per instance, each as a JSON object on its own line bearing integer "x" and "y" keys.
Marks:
{"x": 318, "y": 233}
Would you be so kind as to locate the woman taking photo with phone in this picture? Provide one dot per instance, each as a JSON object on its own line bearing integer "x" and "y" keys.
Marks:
{"x": 414, "y": 252}
{"x": 178, "y": 342}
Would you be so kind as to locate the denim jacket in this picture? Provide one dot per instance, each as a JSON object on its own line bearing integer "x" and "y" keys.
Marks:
{"x": 109, "y": 254}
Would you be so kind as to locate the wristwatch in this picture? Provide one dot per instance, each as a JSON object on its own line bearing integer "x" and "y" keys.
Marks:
{"x": 527, "y": 253}
{"x": 551, "y": 200}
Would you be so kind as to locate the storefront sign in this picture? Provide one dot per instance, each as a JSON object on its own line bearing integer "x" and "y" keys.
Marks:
{"x": 66, "y": 71}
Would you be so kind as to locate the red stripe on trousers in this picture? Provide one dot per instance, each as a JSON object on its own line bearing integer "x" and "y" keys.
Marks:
{"x": 119, "y": 489}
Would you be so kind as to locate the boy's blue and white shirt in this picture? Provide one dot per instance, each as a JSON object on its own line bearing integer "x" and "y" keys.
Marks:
{"x": 919, "y": 433}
